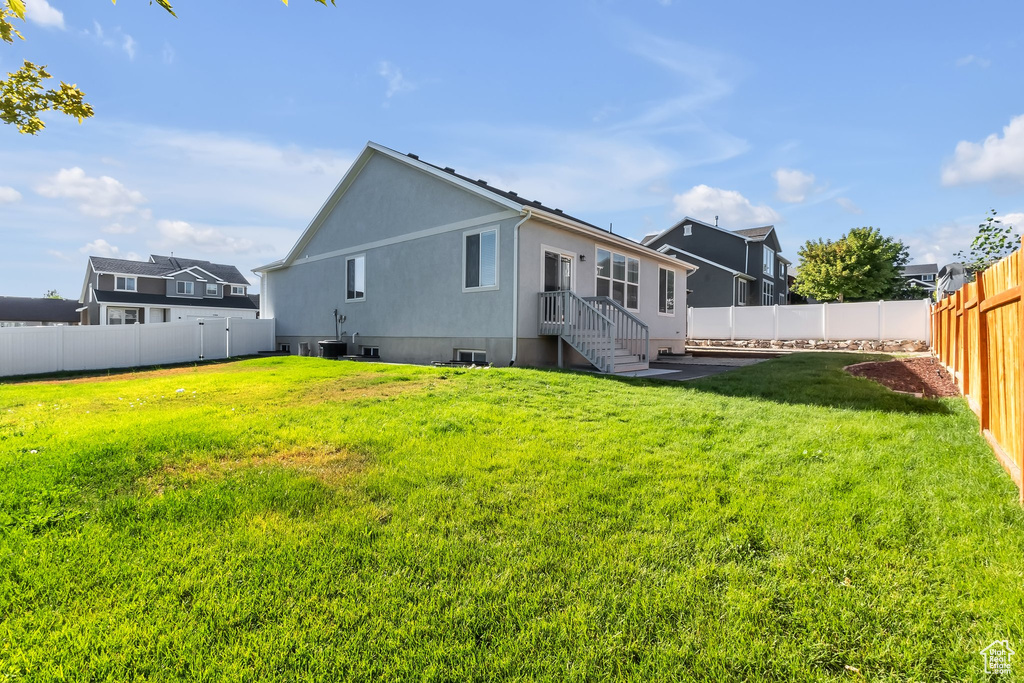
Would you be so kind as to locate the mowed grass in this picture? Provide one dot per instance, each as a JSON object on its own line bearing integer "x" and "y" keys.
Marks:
{"x": 295, "y": 519}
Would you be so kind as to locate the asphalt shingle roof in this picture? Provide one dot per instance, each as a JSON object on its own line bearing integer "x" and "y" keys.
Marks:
{"x": 921, "y": 269}
{"x": 756, "y": 233}
{"x": 21, "y": 308}
{"x": 159, "y": 266}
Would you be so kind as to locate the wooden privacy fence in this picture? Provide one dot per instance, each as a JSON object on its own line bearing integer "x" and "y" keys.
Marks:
{"x": 978, "y": 334}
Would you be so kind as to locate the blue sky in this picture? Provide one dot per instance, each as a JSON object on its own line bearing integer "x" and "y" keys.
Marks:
{"x": 218, "y": 134}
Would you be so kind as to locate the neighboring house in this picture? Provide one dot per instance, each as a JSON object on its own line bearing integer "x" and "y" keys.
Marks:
{"x": 429, "y": 265}
{"x": 19, "y": 311}
{"x": 162, "y": 289}
{"x": 737, "y": 267}
{"x": 923, "y": 275}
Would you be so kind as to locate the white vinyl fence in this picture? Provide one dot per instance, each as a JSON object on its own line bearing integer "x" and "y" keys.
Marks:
{"x": 36, "y": 350}
{"x": 828, "y": 322}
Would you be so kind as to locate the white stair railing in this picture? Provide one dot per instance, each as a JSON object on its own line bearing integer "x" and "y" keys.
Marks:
{"x": 631, "y": 333}
{"x": 582, "y": 325}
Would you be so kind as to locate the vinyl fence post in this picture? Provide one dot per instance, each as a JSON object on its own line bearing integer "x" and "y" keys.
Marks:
{"x": 824, "y": 321}
{"x": 60, "y": 348}
{"x": 138, "y": 343}
{"x": 227, "y": 335}
{"x": 732, "y": 323}
{"x": 201, "y": 347}
{"x": 881, "y": 317}
{"x": 775, "y": 314}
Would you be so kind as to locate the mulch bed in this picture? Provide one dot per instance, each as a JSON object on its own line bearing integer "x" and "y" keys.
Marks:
{"x": 923, "y": 375}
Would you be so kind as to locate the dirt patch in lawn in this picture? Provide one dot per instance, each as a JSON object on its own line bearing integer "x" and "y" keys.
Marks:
{"x": 364, "y": 386}
{"x": 326, "y": 463}
{"x": 923, "y": 375}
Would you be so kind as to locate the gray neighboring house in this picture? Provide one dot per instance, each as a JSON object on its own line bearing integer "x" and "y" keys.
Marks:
{"x": 429, "y": 265}
{"x": 737, "y": 267}
{"x": 924, "y": 275}
{"x": 162, "y": 289}
{"x": 21, "y": 311}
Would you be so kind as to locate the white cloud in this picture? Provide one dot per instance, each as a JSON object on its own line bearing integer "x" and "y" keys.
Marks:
{"x": 128, "y": 45}
{"x": 793, "y": 185}
{"x": 975, "y": 60}
{"x": 176, "y": 234}
{"x": 40, "y": 12}
{"x": 1014, "y": 219}
{"x": 58, "y": 255}
{"x": 167, "y": 54}
{"x": 118, "y": 229}
{"x": 848, "y": 205}
{"x": 397, "y": 83}
{"x": 8, "y": 195}
{"x": 997, "y": 158}
{"x": 732, "y": 208}
{"x": 101, "y": 197}
{"x": 101, "y": 247}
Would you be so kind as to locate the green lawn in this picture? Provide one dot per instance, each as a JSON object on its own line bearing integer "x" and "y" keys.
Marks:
{"x": 295, "y": 519}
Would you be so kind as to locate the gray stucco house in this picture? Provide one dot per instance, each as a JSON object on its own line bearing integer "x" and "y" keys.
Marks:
{"x": 923, "y": 275}
{"x": 162, "y": 289}
{"x": 429, "y": 265}
{"x": 737, "y": 267}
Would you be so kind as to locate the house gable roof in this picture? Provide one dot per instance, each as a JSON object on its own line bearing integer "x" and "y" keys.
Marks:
{"x": 504, "y": 198}
{"x": 165, "y": 267}
{"x": 20, "y": 308}
{"x": 920, "y": 269}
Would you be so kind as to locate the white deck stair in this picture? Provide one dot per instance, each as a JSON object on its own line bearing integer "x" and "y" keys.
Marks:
{"x": 611, "y": 338}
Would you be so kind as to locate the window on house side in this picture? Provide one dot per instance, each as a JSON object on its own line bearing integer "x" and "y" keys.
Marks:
{"x": 355, "y": 278}
{"x": 185, "y": 287}
{"x": 769, "y": 261}
{"x": 238, "y": 290}
{"x": 481, "y": 259}
{"x": 767, "y": 293}
{"x": 124, "y": 284}
{"x": 666, "y": 291}
{"x": 211, "y": 290}
{"x": 618, "y": 277}
{"x": 741, "y": 292}
{"x": 470, "y": 356}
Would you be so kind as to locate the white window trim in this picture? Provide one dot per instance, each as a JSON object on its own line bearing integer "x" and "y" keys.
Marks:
{"x": 186, "y": 283}
{"x": 742, "y": 300}
{"x": 215, "y": 290}
{"x": 626, "y": 282}
{"x": 459, "y": 351}
{"x": 768, "y": 262}
{"x": 237, "y": 290}
{"x": 766, "y": 284}
{"x": 562, "y": 252}
{"x": 687, "y": 230}
{"x": 497, "y": 258}
{"x": 126, "y": 278}
{"x": 673, "y": 313}
{"x": 353, "y": 257}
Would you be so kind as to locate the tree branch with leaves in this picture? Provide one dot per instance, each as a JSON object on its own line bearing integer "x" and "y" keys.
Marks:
{"x": 24, "y": 95}
{"x": 862, "y": 265}
{"x": 994, "y": 242}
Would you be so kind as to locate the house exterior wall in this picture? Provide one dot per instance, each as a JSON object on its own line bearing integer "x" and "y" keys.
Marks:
{"x": 535, "y": 238}
{"x": 415, "y": 308}
{"x": 410, "y": 228}
{"x": 144, "y": 285}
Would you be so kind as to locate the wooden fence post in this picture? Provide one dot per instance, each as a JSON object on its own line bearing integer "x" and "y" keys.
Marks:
{"x": 983, "y": 408}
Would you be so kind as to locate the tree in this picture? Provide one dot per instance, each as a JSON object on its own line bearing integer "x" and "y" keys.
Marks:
{"x": 862, "y": 265}
{"x": 52, "y": 294}
{"x": 993, "y": 242}
{"x": 23, "y": 97}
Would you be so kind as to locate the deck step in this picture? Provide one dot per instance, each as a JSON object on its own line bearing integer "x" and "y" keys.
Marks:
{"x": 630, "y": 367}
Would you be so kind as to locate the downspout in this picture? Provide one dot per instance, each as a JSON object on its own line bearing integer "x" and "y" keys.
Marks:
{"x": 515, "y": 285}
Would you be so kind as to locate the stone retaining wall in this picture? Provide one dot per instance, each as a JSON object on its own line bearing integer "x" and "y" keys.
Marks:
{"x": 906, "y": 345}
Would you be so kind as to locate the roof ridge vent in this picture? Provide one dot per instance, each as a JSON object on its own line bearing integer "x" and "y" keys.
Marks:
{"x": 449, "y": 169}
{"x": 558, "y": 211}
{"x": 413, "y": 156}
{"x": 514, "y": 194}
{"x": 481, "y": 181}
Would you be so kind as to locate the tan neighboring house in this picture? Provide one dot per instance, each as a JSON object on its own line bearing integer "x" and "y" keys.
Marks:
{"x": 162, "y": 289}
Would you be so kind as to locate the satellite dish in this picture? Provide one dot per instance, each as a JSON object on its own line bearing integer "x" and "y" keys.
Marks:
{"x": 952, "y": 277}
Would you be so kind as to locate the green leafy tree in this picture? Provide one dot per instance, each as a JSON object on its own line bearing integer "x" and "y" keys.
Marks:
{"x": 23, "y": 95}
{"x": 994, "y": 241}
{"x": 53, "y": 294}
{"x": 862, "y": 265}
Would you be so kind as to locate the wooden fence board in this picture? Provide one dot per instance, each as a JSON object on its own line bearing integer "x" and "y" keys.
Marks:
{"x": 978, "y": 334}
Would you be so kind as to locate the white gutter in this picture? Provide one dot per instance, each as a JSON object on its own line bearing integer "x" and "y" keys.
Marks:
{"x": 515, "y": 285}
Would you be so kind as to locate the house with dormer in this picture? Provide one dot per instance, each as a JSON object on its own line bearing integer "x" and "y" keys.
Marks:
{"x": 162, "y": 289}
{"x": 737, "y": 267}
